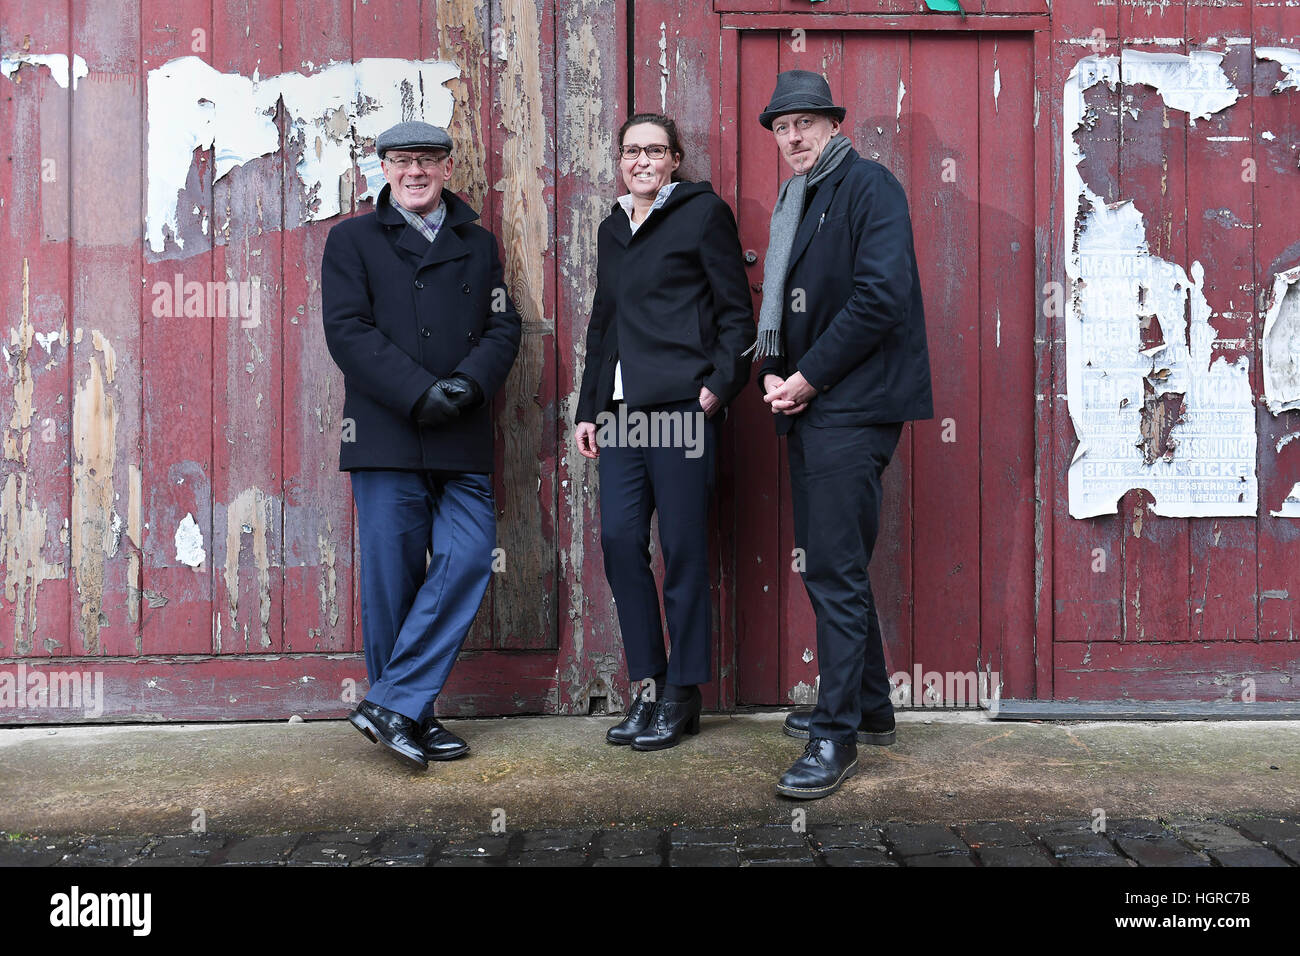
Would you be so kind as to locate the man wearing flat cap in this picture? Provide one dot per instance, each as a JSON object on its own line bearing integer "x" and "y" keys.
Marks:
{"x": 417, "y": 316}
{"x": 841, "y": 338}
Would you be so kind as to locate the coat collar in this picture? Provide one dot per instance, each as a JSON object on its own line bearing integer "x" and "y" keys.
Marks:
{"x": 820, "y": 203}
{"x": 682, "y": 190}
{"x": 447, "y": 246}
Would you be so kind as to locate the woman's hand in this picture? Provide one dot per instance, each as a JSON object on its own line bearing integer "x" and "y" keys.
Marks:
{"x": 584, "y": 436}
{"x": 709, "y": 402}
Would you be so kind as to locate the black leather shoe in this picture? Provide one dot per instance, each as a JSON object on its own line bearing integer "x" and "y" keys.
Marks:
{"x": 439, "y": 743}
{"x": 822, "y": 770}
{"x": 882, "y": 735}
{"x": 671, "y": 718}
{"x": 637, "y": 720}
{"x": 396, "y": 732}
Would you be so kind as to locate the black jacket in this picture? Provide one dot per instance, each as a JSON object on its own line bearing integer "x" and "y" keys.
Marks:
{"x": 400, "y": 313}
{"x": 672, "y": 304}
{"x": 853, "y": 322}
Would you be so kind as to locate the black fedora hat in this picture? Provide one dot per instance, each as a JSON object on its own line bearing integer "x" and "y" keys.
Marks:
{"x": 800, "y": 91}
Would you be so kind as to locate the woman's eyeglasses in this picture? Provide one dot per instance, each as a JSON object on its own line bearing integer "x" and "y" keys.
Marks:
{"x": 656, "y": 151}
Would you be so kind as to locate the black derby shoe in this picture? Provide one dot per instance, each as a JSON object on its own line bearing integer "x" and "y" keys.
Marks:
{"x": 671, "y": 718}
{"x": 439, "y": 743}
{"x": 395, "y": 731}
{"x": 822, "y": 770}
{"x": 637, "y": 720}
{"x": 882, "y": 735}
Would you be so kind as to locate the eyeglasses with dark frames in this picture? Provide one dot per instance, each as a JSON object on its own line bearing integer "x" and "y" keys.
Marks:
{"x": 654, "y": 151}
{"x": 424, "y": 162}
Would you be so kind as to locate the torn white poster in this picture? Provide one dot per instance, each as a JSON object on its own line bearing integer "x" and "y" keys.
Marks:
{"x": 1282, "y": 344}
{"x": 1290, "y": 60}
{"x": 56, "y": 62}
{"x": 1149, "y": 408}
{"x": 335, "y": 114}
{"x": 1290, "y": 505}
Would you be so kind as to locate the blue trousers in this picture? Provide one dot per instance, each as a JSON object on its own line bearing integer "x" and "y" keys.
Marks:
{"x": 414, "y": 619}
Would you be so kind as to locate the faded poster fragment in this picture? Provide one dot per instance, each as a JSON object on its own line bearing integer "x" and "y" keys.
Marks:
{"x": 57, "y": 63}
{"x": 1150, "y": 408}
{"x": 334, "y": 115}
{"x": 1282, "y": 344}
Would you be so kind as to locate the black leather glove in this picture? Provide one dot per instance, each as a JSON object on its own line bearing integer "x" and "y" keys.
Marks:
{"x": 463, "y": 391}
{"x": 435, "y": 406}
{"x": 446, "y": 399}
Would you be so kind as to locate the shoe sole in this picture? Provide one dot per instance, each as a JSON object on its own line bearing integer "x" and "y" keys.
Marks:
{"x": 884, "y": 739}
{"x": 646, "y": 748}
{"x": 455, "y": 756}
{"x": 813, "y": 793}
{"x": 367, "y": 727}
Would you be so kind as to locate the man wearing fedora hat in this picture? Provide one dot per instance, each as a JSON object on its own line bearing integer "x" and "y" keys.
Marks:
{"x": 417, "y": 317}
{"x": 841, "y": 337}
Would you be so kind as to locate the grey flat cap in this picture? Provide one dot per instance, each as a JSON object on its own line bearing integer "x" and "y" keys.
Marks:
{"x": 412, "y": 135}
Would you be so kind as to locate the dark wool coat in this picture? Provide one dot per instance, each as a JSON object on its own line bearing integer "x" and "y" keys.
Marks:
{"x": 400, "y": 313}
{"x": 853, "y": 321}
{"x": 672, "y": 304}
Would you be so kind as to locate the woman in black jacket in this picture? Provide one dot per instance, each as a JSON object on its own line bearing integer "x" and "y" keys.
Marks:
{"x": 670, "y": 321}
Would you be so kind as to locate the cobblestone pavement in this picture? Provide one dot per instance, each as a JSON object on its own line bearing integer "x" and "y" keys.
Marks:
{"x": 1269, "y": 842}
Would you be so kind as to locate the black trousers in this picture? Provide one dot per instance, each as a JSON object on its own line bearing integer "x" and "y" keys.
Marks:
{"x": 635, "y": 482}
{"x": 835, "y": 487}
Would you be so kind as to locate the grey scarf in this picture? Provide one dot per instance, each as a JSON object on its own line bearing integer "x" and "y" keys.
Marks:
{"x": 785, "y": 223}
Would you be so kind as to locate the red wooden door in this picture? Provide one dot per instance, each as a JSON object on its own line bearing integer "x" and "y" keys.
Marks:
{"x": 952, "y": 115}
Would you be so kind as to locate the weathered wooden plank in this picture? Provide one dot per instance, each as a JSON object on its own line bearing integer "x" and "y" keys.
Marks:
{"x": 36, "y": 399}
{"x": 177, "y": 400}
{"x": 1048, "y": 243}
{"x": 591, "y": 85}
{"x": 760, "y": 500}
{"x": 1006, "y": 350}
{"x": 1277, "y": 196}
{"x": 1224, "y": 601}
{"x": 524, "y": 112}
{"x": 461, "y": 33}
{"x": 267, "y": 687}
{"x": 1144, "y": 710}
{"x": 105, "y": 296}
{"x": 247, "y": 357}
{"x": 874, "y": 67}
{"x": 945, "y": 221}
{"x": 1086, "y": 571}
{"x": 318, "y": 513}
{"x": 1183, "y": 670}
{"x": 1153, "y": 151}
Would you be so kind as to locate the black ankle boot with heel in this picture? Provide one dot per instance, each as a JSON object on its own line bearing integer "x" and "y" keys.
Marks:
{"x": 670, "y": 720}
